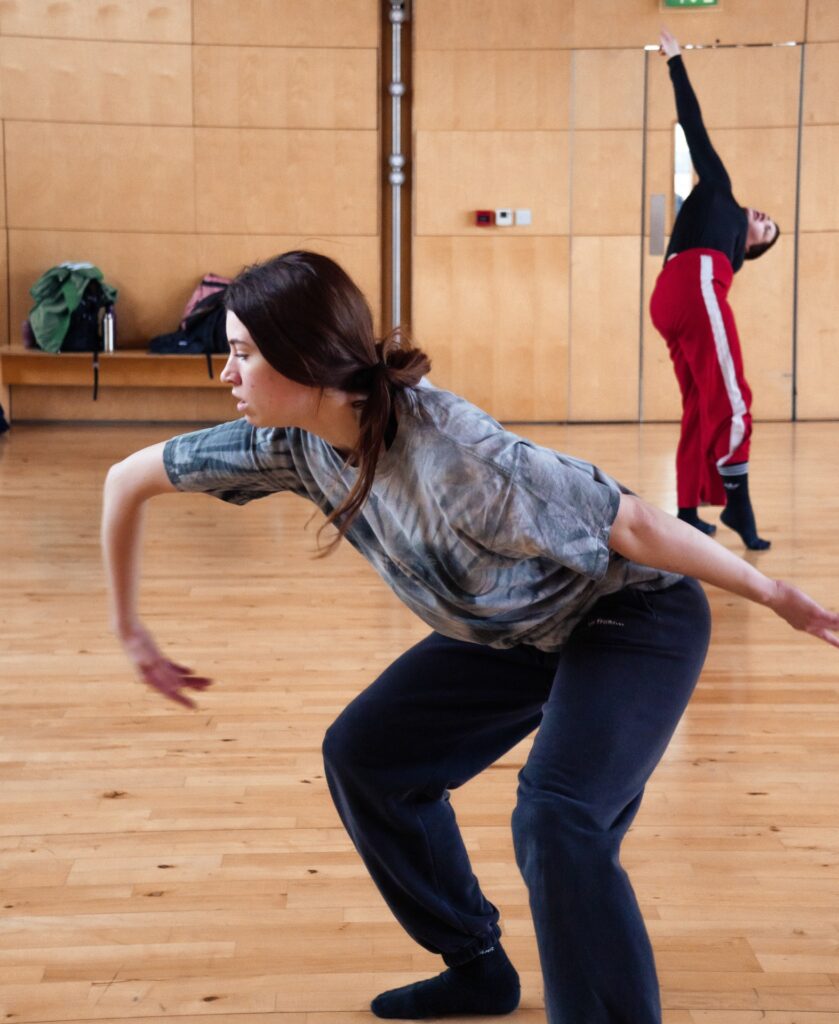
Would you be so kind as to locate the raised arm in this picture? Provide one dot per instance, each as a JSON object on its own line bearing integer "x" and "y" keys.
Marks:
{"x": 647, "y": 535}
{"x": 128, "y": 486}
{"x": 706, "y": 162}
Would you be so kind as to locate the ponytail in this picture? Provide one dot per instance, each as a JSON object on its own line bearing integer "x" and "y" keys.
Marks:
{"x": 400, "y": 366}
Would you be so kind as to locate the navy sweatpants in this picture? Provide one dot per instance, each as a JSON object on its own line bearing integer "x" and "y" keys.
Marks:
{"x": 605, "y": 710}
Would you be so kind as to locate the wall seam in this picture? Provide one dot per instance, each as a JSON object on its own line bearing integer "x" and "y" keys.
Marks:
{"x": 193, "y": 125}
{"x": 644, "y": 121}
{"x": 8, "y": 246}
{"x": 797, "y": 231}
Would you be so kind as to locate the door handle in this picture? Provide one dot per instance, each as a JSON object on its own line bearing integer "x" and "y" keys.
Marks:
{"x": 657, "y": 207}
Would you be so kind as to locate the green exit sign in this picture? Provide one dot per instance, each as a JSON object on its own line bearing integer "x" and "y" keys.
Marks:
{"x": 690, "y": 3}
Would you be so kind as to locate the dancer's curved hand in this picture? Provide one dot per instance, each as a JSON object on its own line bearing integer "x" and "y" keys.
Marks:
{"x": 668, "y": 44}
{"x": 803, "y": 613}
{"x": 157, "y": 671}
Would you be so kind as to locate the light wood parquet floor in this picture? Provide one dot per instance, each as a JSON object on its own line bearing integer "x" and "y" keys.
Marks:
{"x": 159, "y": 866}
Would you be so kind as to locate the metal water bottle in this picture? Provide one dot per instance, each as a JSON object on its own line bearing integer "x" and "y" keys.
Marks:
{"x": 108, "y": 330}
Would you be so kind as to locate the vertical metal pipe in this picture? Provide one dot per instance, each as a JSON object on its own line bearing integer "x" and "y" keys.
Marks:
{"x": 396, "y": 160}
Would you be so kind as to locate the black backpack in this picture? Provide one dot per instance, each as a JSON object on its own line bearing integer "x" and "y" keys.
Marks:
{"x": 203, "y": 332}
{"x": 83, "y": 334}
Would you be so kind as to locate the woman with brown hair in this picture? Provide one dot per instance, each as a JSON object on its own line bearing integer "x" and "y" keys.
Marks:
{"x": 559, "y": 602}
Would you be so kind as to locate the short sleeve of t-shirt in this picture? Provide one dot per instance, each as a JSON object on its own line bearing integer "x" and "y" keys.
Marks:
{"x": 558, "y": 508}
{"x": 233, "y": 461}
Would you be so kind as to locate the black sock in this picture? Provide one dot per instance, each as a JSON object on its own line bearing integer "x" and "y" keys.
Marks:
{"x": 486, "y": 985}
{"x": 688, "y": 515}
{"x": 738, "y": 514}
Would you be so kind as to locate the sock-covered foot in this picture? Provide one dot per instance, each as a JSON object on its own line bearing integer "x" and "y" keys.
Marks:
{"x": 689, "y": 515}
{"x": 486, "y": 985}
{"x": 738, "y": 514}
{"x": 744, "y": 524}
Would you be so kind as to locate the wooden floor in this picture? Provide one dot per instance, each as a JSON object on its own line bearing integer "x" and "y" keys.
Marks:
{"x": 161, "y": 866}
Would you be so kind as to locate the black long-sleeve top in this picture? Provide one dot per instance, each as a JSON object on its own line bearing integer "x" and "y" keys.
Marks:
{"x": 710, "y": 217}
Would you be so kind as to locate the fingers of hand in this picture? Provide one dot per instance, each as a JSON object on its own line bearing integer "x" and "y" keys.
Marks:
{"x": 186, "y": 677}
{"x": 170, "y": 691}
{"x": 197, "y": 682}
{"x": 827, "y": 636}
{"x": 170, "y": 679}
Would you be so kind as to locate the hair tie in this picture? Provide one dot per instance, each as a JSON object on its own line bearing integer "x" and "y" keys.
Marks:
{"x": 365, "y": 378}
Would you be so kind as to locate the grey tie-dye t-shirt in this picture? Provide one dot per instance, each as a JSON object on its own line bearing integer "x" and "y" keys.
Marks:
{"x": 487, "y": 537}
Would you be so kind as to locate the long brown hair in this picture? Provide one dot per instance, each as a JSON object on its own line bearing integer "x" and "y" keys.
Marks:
{"x": 313, "y": 325}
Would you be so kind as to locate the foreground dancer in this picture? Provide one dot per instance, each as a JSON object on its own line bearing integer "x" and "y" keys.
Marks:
{"x": 712, "y": 236}
{"x": 557, "y": 603}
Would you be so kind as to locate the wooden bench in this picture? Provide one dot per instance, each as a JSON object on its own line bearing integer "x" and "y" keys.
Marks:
{"x": 165, "y": 380}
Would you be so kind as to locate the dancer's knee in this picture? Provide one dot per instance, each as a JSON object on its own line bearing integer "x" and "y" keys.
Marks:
{"x": 344, "y": 745}
{"x": 564, "y": 834}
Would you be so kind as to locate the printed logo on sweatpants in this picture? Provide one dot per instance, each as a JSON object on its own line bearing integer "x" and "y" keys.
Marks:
{"x": 605, "y": 622}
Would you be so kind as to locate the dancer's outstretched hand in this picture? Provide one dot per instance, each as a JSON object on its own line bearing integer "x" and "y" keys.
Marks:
{"x": 157, "y": 671}
{"x": 803, "y": 613}
{"x": 668, "y": 44}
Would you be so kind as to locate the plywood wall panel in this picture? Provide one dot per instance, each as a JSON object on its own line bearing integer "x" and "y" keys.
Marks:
{"x": 288, "y": 22}
{"x": 821, "y": 83}
{"x": 818, "y": 326}
{"x": 604, "y": 354}
{"x": 762, "y": 165}
{"x": 819, "y": 194}
{"x": 271, "y": 181}
{"x": 823, "y": 20}
{"x": 493, "y": 315}
{"x": 83, "y": 81}
{"x": 457, "y": 173}
{"x": 160, "y": 21}
{"x": 608, "y": 89}
{"x": 99, "y": 177}
{"x": 607, "y": 181}
{"x": 271, "y": 87}
{"x": 493, "y": 24}
{"x": 725, "y": 80}
{"x": 492, "y": 90}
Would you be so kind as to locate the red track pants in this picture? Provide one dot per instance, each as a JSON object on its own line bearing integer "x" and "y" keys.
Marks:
{"x": 690, "y": 309}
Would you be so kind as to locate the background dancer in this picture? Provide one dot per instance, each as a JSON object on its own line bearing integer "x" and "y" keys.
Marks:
{"x": 712, "y": 236}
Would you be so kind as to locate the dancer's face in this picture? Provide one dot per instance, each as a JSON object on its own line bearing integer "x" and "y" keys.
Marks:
{"x": 761, "y": 227}
{"x": 265, "y": 397}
